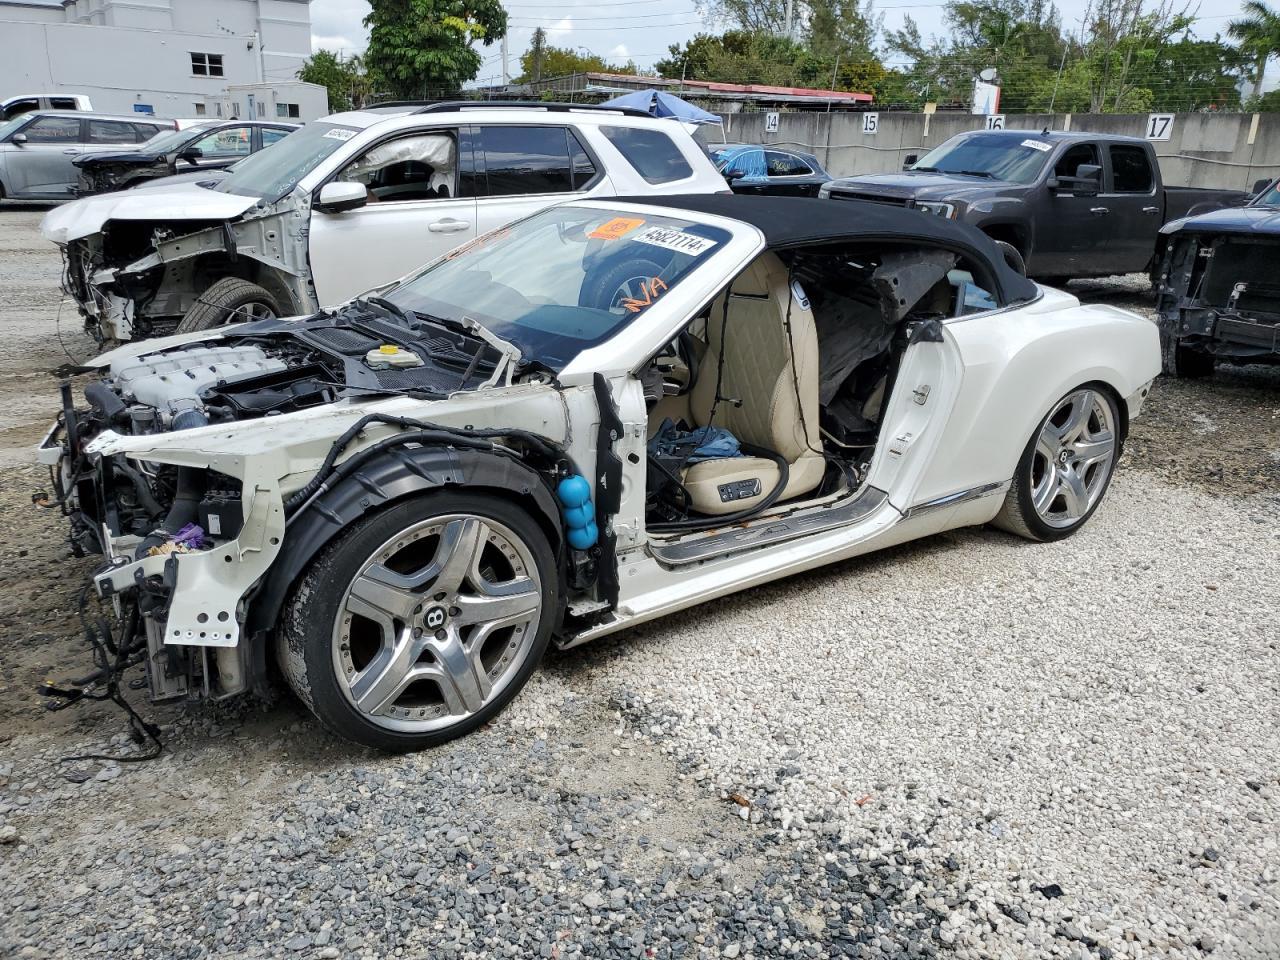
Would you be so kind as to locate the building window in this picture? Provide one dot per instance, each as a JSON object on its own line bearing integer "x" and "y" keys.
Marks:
{"x": 199, "y": 109}
{"x": 288, "y": 110}
{"x": 206, "y": 64}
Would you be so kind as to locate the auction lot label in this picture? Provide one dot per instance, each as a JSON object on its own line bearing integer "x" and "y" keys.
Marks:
{"x": 670, "y": 238}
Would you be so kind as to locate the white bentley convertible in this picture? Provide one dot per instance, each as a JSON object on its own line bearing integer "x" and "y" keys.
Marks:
{"x": 602, "y": 414}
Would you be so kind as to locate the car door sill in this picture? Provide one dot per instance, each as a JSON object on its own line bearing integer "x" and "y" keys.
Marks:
{"x": 768, "y": 531}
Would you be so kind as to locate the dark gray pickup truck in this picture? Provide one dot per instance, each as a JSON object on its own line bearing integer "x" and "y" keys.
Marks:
{"x": 1072, "y": 204}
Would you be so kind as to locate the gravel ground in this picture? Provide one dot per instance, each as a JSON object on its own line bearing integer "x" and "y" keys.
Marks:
{"x": 968, "y": 746}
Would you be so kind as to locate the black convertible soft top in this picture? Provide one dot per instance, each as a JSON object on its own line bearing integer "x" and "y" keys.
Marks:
{"x": 803, "y": 221}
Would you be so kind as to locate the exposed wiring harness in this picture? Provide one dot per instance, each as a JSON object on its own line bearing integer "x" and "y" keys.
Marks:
{"x": 111, "y": 658}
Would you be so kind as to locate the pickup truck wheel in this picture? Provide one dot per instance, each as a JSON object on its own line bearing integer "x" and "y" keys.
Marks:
{"x": 1065, "y": 469}
{"x": 422, "y": 621}
{"x": 230, "y": 300}
{"x": 1183, "y": 363}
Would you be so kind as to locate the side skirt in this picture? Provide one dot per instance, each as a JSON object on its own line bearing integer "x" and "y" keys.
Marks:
{"x": 651, "y": 589}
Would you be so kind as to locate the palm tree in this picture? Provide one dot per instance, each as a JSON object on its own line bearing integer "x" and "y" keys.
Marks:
{"x": 1259, "y": 34}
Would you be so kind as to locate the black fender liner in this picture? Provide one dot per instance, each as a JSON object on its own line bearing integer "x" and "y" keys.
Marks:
{"x": 398, "y": 473}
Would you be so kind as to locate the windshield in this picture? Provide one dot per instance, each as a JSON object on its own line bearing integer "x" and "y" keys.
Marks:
{"x": 563, "y": 280}
{"x": 11, "y": 126}
{"x": 997, "y": 155}
{"x": 275, "y": 170}
{"x": 1269, "y": 197}
{"x": 172, "y": 139}
{"x": 721, "y": 156}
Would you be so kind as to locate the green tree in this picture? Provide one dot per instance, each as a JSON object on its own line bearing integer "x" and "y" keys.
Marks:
{"x": 423, "y": 48}
{"x": 1259, "y": 34}
{"x": 345, "y": 80}
{"x": 549, "y": 62}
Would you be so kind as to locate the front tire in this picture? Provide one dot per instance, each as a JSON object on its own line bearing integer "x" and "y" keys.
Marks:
{"x": 230, "y": 300}
{"x": 1183, "y": 363}
{"x": 1066, "y": 468}
{"x": 421, "y": 622}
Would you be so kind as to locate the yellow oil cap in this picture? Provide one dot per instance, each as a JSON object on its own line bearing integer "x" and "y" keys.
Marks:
{"x": 388, "y": 348}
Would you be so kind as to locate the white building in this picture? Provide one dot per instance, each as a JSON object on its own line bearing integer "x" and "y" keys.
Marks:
{"x": 174, "y": 58}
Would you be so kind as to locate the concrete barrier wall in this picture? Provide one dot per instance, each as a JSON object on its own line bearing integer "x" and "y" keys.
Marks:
{"x": 1204, "y": 150}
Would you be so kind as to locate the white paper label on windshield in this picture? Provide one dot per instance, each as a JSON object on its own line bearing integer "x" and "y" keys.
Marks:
{"x": 671, "y": 239}
{"x": 1038, "y": 145}
{"x": 337, "y": 133}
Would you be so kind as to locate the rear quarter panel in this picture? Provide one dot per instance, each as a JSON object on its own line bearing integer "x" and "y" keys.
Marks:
{"x": 1015, "y": 365}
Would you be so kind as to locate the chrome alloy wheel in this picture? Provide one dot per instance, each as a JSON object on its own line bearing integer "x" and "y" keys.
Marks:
{"x": 437, "y": 622}
{"x": 1074, "y": 456}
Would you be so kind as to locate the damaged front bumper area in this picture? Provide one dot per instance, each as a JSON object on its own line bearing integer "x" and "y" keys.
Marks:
{"x": 178, "y": 589}
{"x": 1219, "y": 296}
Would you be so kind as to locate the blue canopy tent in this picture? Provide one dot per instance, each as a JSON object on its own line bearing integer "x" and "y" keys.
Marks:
{"x": 662, "y": 104}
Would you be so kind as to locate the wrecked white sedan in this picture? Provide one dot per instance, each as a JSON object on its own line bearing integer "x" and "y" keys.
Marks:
{"x": 605, "y": 413}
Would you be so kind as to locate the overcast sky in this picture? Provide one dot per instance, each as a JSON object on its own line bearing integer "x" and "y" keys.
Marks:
{"x": 641, "y": 30}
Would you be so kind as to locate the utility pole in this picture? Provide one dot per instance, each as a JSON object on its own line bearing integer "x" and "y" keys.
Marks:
{"x": 506, "y": 74}
{"x": 790, "y": 9}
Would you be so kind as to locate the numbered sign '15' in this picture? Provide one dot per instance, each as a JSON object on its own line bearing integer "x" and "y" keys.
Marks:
{"x": 870, "y": 123}
{"x": 1159, "y": 126}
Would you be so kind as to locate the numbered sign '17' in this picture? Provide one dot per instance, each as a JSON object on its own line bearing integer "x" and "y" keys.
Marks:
{"x": 1159, "y": 126}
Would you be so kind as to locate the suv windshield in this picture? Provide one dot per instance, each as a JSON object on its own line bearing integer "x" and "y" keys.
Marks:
{"x": 271, "y": 173}
{"x": 11, "y": 126}
{"x": 1269, "y": 197}
{"x": 173, "y": 139}
{"x": 563, "y": 280}
{"x": 996, "y": 155}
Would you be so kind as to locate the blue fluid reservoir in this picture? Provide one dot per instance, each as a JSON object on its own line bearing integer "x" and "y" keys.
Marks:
{"x": 574, "y": 494}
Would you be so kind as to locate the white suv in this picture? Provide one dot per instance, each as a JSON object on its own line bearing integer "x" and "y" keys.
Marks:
{"x": 351, "y": 202}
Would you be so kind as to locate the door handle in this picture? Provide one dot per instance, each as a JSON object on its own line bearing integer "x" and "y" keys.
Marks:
{"x": 1151, "y": 210}
{"x": 448, "y": 225}
{"x": 1099, "y": 211}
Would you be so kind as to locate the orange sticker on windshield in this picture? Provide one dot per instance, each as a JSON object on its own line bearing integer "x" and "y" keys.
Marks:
{"x": 652, "y": 289}
{"x": 614, "y": 228}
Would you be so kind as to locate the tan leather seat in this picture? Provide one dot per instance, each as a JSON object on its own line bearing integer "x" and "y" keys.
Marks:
{"x": 758, "y": 370}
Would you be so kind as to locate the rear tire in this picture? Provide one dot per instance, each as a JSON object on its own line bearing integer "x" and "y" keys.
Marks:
{"x": 230, "y": 300}
{"x": 422, "y": 621}
{"x": 1065, "y": 469}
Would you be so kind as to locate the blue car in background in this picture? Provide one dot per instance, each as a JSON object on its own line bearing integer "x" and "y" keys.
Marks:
{"x": 758, "y": 168}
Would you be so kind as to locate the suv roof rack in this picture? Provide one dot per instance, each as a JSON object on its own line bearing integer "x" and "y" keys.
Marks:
{"x": 443, "y": 106}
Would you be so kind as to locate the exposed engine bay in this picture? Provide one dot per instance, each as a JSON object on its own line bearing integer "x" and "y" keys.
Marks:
{"x": 366, "y": 350}
{"x": 136, "y": 279}
{"x": 1218, "y": 299}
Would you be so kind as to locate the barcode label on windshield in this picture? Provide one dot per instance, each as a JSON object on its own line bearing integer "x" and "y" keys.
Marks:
{"x": 337, "y": 133}
{"x": 677, "y": 240}
{"x": 1037, "y": 145}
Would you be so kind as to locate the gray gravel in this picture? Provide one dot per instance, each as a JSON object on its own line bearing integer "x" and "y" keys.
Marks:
{"x": 968, "y": 746}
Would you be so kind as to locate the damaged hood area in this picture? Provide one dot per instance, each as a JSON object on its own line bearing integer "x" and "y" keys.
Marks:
{"x": 1233, "y": 220}
{"x": 180, "y": 202}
